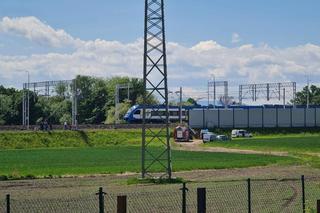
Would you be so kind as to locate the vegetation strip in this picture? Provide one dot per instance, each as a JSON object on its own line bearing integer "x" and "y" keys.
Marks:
{"x": 111, "y": 160}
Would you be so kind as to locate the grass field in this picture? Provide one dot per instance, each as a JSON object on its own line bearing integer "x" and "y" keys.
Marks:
{"x": 57, "y": 139}
{"x": 32, "y": 154}
{"x": 296, "y": 143}
{"x": 304, "y": 146}
{"x": 76, "y": 161}
{"x": 117, "y": 151}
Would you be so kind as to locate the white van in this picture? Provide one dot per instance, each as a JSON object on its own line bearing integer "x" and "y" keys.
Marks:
{"x": 240, "y": 133}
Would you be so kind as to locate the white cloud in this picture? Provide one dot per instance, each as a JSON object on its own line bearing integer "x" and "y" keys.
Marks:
{"x": 37, "y": 31}
{"x": 190, "y": 66}
{"x": 235, "y": 38}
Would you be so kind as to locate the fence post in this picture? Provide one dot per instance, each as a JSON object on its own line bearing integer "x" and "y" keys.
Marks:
{"x": 101, "y": 200}
{"x": 184, "y": 190}
{"x": 122, "y": 204}
{"x": 8, "y": 203}
{"x": 201, "y": 197}
{"x": 203, "y": 119}
{"x": 249, "y": 195}
{"x": 318, "y": 206}
{"x": 303, "y": 194}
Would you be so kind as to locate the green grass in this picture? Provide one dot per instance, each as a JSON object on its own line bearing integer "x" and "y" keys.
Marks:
{"x": 273, "y": 131}
{"x": 295, "y": 143}
{"x": 57, "y": 139}
{"x": 77, "y": 161}
{"x": 305, "y": 146}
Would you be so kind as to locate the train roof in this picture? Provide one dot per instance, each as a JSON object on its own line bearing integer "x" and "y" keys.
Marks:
{"x": 268, "y": 106}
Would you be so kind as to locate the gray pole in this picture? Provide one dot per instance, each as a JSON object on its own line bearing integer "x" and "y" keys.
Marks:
{"x": 308, "y": 93}
{"x": 208, "y": 93}
{"x": 294, "y": 89}
{"x": 28, "y": 101}
{"x": 76, "y": 104}
{"x": 128, "y": 92}
{"x": 284, "y": 97}
{"x": 116, "y": 104}
{"x": 214, "y": 92}
{"x": 180, "y": 109}
{"x": 23, "y": 106}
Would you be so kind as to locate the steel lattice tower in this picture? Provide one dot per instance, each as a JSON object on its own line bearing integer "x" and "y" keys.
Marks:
{"x": 155, "y": 84}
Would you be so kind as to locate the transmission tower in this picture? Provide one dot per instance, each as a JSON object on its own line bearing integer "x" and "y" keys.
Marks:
{"x": 155, "y": 84}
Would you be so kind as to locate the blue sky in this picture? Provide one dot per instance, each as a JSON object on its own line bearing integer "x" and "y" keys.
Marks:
{"x": 280, "y": 23}
{"x": 242, "y": 41}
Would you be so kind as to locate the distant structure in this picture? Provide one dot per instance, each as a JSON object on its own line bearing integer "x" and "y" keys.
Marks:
{"x": 155, "y": 83}
{"x": 267, "y": 91}
{"x": 44, "y": 88}
{"x": 120, "y": 87}
{"x": 212, "y": 88}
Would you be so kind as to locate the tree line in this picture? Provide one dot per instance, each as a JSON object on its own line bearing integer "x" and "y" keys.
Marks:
{"x": 96, "y": 102}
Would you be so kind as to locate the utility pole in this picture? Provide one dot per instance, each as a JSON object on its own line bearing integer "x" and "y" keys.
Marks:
{"x": 155, "y": 82}
{"x": 117, "y": 98}
{"x": 210, "y": 84}
{"x": 284, "y": 97}
{"x": 26, "y": 102}
{"x": 116, "y": 101}
{"x": 75, "y": 104}
{"x": 180, "y": 104}
{"x": 214, "y": 91}
{"x": 308, "y": 86}
{"x": 180, "y": 109}
{"x": 128, "y": 91}
{"x": 308, "y": 92}
{"x": 28, "y": 112}
{"x": 208, "y": 94}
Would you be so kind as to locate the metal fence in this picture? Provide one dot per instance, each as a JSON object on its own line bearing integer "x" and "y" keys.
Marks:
{"x": 255, "y": 117}
{"x": 286, "y": 195}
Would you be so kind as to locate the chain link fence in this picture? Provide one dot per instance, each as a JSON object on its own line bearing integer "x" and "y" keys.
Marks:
{"x": 288, "y": 195}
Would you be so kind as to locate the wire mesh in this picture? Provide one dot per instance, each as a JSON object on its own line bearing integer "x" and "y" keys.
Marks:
{"x": 224, "y": 196}
{"x": 276, "y": 196}
{"x": 157, "y": 201}
{"x": 221, "y": 196}
{"x": 110, "y": 202}
{"x": 312, "y": 189}
{"x": 2, "y": 205}
{"x": 67, "y": 205}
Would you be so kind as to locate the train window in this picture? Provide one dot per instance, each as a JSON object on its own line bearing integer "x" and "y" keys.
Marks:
{"x": 174, "y": 113}
{"x": 154, "y": 113}
{"x": 137, "y": 112}
{"x": 158, "y": 113}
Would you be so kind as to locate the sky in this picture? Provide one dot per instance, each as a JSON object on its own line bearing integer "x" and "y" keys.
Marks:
{"x": 243, "y": 41}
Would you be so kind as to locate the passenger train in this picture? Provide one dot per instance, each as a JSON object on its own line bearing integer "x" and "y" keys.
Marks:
{"x": 155, "y": 113}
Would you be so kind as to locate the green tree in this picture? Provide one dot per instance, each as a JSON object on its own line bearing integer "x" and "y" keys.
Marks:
{"x": 11, "y": 106}
{"x": 92, "y": 99}
{"x": 314, "y": 96}
{"x": 5, "y": 109}
{"x": 62, "y": 90}
{"x": 122, "y": 110}
{"x": 190, "y": 102}
{"x": 96, "y": 98}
